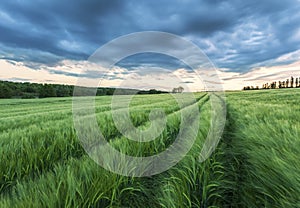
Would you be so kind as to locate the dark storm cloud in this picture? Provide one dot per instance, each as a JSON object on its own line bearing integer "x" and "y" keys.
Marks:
{"x": 89, "y": 74}
{"x": 151, "y": 60}
{"x": 64, "y": 73}
{"x": 235, "y": 34}
{"x": 53, "y": 26}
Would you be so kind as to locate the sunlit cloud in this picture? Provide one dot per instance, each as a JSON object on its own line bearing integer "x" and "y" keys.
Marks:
{"x": 70, "y": 71}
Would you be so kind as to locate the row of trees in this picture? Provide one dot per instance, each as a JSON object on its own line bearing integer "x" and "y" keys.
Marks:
{"x": 289, "y": 83}
{"x": 34, "y": 90}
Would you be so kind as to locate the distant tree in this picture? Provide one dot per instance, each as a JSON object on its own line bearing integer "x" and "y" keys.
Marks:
{"x": 100, "y": 92}
{"x": 62, "y": 91}
{"x": 5, "y": 91}
{"x": 47, "y": 90}
{"x": 287, "y": 83}
{"x": 29, "y": 95}
{"x": 292, "y": 82}
{"x": 110, "y": 91}
{"x": 180, "y": 89}
{"x": 273, "y": 85}
{"x": 152, "y": 91}
{"x": 30, "y": 88}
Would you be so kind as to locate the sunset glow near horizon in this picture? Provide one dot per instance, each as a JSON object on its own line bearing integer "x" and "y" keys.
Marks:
{"x": 250, "y": 43}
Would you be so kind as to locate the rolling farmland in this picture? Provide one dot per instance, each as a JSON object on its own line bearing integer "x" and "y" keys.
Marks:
{"x": 256, "y": 163}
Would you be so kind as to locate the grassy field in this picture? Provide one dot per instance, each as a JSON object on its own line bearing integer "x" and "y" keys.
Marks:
{"x": 256, "y": 163}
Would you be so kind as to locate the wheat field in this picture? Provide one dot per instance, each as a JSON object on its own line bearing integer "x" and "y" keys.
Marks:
{"x": 256, "y": 163}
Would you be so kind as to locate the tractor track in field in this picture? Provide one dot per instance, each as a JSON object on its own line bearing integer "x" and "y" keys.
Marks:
{"x": 151, "y": 184}
{"x": 234, "y": 163}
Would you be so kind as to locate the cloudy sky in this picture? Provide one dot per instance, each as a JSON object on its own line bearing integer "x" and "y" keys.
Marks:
{"x": 249, "y": 42}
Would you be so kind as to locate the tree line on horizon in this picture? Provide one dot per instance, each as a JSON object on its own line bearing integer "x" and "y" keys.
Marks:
{"x": 289, "y": 83}
{"x": 34, "y": 90}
